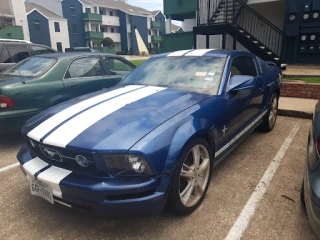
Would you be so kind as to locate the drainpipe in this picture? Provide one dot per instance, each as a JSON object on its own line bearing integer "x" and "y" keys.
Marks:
{"x": 168, "y": 23}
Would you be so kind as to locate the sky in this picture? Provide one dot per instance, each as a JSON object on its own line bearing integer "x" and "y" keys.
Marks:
{"x": 148, "y": 4}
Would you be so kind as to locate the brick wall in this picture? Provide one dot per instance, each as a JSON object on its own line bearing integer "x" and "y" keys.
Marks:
{"x": 300, "y": 90}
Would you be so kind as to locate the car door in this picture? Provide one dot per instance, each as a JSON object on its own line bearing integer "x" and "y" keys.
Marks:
{"x": 87, "y": 74}
{"x": 118, "y": 66}
{"x": 240, "y": 106}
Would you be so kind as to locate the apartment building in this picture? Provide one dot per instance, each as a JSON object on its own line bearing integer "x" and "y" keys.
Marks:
{"x": 46, "y": 27}
{"x": 133, "y": 29}
{"x": 283, "y": 31}
{"x": 13, "y": 12}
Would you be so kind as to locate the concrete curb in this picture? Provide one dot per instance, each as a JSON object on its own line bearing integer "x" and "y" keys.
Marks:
{"x": 294, "y": 113}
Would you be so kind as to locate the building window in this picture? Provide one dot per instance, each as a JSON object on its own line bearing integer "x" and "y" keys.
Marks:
{"x": 149, "y": 33}
{"x": 88, "y": 10}
{"x": 111, "y": 13}
{"x": 74, "y": 28}
{"x": 72, "y": 10}
{"x": 36, "y": 26}
{"x": 59, "y": 46}
{"x": 112, "y": 30}
{"x": 57, "y": 27}
{"x": 101, "y": 29}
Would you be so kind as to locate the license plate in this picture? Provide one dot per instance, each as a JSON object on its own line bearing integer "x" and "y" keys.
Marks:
{"x": 42, "y": 190}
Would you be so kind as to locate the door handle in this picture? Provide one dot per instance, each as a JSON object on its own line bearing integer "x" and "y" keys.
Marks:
{"x": 74, "y": 85}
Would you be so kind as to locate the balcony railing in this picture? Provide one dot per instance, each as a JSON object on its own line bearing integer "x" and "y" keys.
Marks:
{"x": 155, "y": 25}
{"x": 94, "y": 35}
{"x": 92, "y": 17}
{"x": 156, "y": 38}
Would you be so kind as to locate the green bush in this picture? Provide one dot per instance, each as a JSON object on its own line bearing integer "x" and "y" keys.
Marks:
{"x": 143, "y": 53}
{"x": 137, "y": 54}
{"x": 108, "y": 42}
{"x": 121, "y": 53}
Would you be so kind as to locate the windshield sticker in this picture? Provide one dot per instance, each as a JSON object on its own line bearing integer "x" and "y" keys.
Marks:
{"x": 201, "y": 74}
{"x": 208, "y": 79}
{"x": 211, "y": 73}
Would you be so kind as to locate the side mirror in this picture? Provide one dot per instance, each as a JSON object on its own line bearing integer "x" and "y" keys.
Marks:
{"x": 240, "y": 82}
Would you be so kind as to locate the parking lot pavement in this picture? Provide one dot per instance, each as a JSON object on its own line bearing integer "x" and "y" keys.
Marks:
{"x": 276, "y": 217}
{"x": 9, "y": 147}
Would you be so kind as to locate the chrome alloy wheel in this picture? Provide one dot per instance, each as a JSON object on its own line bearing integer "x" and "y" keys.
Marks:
{"x": 194, "y": 175}
{"x": 273, "y": 112}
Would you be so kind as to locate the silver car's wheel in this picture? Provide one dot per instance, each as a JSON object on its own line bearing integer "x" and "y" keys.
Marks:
{"x": 273, "y": 112}
{"x": 194, "y": 176}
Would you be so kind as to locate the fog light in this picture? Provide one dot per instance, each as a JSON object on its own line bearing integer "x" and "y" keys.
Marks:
{"x": 292, "y": 17}
{"x": 82, "y": 161}
{"x": 137, "y": 165}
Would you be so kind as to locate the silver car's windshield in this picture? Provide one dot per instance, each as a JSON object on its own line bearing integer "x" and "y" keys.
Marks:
{"x": 199, "y": 74}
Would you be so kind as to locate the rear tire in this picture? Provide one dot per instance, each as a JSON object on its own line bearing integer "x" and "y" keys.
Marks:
{"x": 191, "y": 177}
{"x": 270, "y": 119}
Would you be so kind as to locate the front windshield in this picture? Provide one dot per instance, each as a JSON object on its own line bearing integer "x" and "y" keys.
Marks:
{"x": 31, "y": 67}
{"x": 198, "y": 74}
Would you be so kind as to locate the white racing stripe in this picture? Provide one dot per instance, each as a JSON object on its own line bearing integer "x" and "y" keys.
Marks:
{"x": 46, "y": 126}
{"x": 198, "y": 53}
{"x": 71, "y": 129}
{"x": 248, "y": 211}
{"x": 178, "y": 53}
{"x": 53, "y": 176}
{"x": 33, "y": 166}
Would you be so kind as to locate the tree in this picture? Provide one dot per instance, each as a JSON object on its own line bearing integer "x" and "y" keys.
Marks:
{"x": 4, "y": 22}
{"x": 108, "y": 42}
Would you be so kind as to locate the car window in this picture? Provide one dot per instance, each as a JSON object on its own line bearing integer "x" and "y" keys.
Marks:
{"x": 5, "y": 57}
{"x": 117, "y": 65}
{"x": 37, "y": 50}
{"x": 85, "y": 67}
{"x": 264, "y": 67}
{"x": 31, "y": 67}
{"x": 243, "y": 66}
{"x": 18, "y": 52}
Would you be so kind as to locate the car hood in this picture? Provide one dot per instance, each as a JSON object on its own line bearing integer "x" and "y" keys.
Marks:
{"x": 8, "y": 80}
{"x": 111, "y": 121}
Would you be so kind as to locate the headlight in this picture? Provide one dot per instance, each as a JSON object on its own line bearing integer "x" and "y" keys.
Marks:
{"x": 127, "y": 165}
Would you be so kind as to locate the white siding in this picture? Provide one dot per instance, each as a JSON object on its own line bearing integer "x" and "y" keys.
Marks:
{"x": 19, "y": 12}
{"x": 114, "y": 36}
{"x": 214, "y": 41}
{"x": 110, "y": 20}
{"x": 62, "y": 36}
{"x": 189, "y": 24}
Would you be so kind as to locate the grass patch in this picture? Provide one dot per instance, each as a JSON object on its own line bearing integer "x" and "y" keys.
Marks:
{"x": 305, "y": 79}
{"x": 137, "y": 62}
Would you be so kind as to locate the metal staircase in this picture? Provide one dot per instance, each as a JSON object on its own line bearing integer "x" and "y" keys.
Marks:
{"x": 248, "y": 27}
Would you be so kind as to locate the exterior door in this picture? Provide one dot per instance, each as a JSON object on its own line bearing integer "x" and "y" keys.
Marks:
{"x": 86, "y": 75}
{"x": 239, "y": 107}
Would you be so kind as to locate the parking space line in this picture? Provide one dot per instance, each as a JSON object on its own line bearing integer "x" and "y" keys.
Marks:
{"x": 249, "y": 209}
{"x": 4, "y": 169}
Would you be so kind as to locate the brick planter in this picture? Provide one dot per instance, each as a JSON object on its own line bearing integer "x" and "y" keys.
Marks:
{"x": 299, "y": 89}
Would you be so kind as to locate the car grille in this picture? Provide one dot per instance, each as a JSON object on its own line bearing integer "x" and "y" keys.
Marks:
{"x": 62, "y": 158}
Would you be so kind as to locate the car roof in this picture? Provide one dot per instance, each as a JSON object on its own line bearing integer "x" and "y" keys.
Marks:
{"x": 74, "y": 54}
{"x": 204, "y": 53}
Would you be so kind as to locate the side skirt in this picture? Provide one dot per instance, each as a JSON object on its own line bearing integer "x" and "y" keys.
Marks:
{"x": 219, "y": 159}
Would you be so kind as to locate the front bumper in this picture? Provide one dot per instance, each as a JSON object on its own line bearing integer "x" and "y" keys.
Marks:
{"x": 103, "y": 196}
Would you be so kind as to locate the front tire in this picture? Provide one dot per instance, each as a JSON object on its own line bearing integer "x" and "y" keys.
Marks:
{"x": 191, "y": 177}
{"x": 269, "y": 120}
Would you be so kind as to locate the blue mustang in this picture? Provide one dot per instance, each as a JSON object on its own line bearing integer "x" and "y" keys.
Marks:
{"x": 153, "y": 139}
